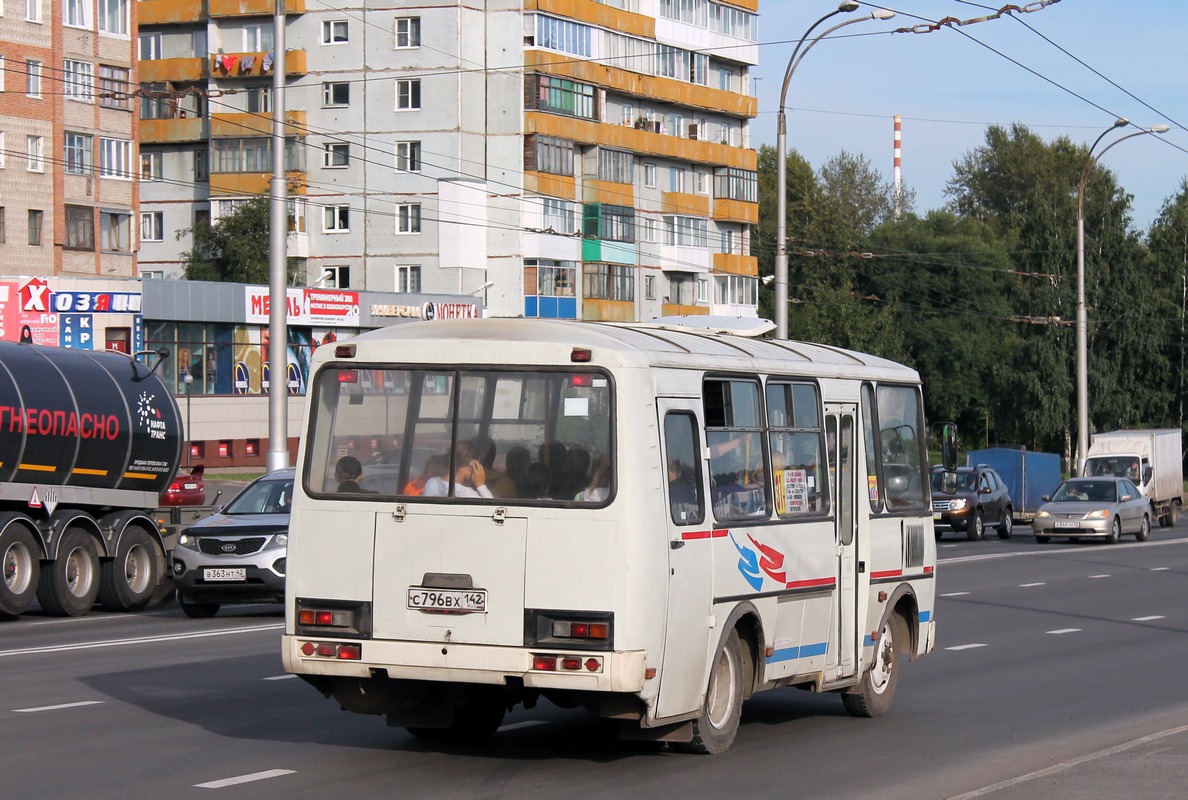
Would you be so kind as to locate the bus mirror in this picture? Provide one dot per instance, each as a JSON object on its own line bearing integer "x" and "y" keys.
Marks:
{"x": 948, "y": 432}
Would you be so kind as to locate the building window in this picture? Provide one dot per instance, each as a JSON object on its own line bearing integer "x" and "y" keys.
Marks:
{"x": 559, "y": 216}
{"x": 686, "y": 231}
{"x": 562, "y": 96}
{"x": 3, "y": 227}
{"x": 80, "y": 81}
{"x": 259, "y": 100}
{"x": 113, "y": 17}
{"x": 408, "y": 156}
{"x": 649, "y": 287}
{"x": 702, "y": 181}
{"x": 77, "y": 14}
{"x": 3, "y": 149}
{"x": 334, "y": 31}
{"x": 113, "y": 87}
{"x": 156, "y": 102}
{"x": 616, "y": 166}
{"x": 33, "y": 10}
{"x": 408, "y": 94}
{"x": 336, "y": 219}
{"x": 650, "y": 175}
{"x": 564, "y": 35}
{"x": 152, "y": 226}
{"x": 553, "y": 278}
{"x": 608, "y": 222}
{"x": 150, "y": 46}
{"x": 151, "y": 166}
{"x": 115, "y": 228}
{"x": 548, "y": 154}
{"x": 676, "y": 179}
{"x": 336, "y": 154}
{"x": 702, "y": 290}
{"x": 79, "y": 153}
{"x": 253, "y": 154}
{"x": 731, "y": 183}
{"x": 201, "y": 165}
{"x": 648, "y": 226}
{"x": 608, "y": 282}
{"x": 256, "y": 38}
{"x": 115, "y": 159}
{"x": 408, "y": 279}
{"x": 736, "y": 290}
{"x": 3, "y": 70}
{"x": 337, "y": 276}
{"x": 35, "y": 220}
{"x": 35, "y": 153}
{"x": 80, "y": 228}
{"x": 33, "y": 78}
{"x": 408, "y": 32}
{"x": 337, "y": 93}
{"x": 408, "y": 218}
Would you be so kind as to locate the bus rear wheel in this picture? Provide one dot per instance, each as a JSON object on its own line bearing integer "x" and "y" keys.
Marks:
{"x": 715, "y": 729}
{"x": 872, "y": 697}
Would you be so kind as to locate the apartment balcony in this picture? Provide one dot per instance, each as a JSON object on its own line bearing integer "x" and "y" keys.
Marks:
{"x": 736, "y": 264}
{"x": 681, "y": 310}
{"x": 726, "y": 210}
{"x": 176, "y": 70}
{"x": 608, "y": 310}
{"x": 244, "y": 184}
{"x": 244, "y": 124}
{"x": 174, "y": 131}
{"x": 252, "y": 65}
{"x": 169, "y": 12}
{"x": 251, "y": 8}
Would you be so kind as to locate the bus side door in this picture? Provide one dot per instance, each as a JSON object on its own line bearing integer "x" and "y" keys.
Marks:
{"x": 687, "y": 633}
{"x": 843, "y": 448}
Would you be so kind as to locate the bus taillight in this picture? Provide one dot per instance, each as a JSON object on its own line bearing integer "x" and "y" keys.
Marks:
{"x": 333, "y": 618}
{"x": 566, "y": 629}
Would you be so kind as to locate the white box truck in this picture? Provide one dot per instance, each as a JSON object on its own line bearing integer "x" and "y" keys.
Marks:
{"x": 1152, "y": 458}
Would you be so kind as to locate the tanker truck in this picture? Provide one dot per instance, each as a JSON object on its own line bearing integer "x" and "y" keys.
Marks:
{"x": 88, "y": 440}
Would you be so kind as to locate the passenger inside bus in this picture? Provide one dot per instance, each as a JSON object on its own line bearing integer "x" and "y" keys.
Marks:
{"x": 599, "y": 487}
{"x": 347, "y": 472}
{"x": 470, "y": 478}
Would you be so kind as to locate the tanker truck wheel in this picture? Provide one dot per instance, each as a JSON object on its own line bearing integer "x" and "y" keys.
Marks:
{"x": 19, "y": 568}
{"x": 70, "y": 584}
{"x": 129, "y": 581}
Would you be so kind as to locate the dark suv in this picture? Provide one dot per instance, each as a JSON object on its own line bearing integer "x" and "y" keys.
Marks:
{"x": 981, "y": 500}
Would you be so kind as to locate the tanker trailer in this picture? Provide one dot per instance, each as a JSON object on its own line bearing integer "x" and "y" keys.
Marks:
{"x": 88, "y": 440}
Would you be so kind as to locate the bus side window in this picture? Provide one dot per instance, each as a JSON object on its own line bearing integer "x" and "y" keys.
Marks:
{"x": 685, "y": 496}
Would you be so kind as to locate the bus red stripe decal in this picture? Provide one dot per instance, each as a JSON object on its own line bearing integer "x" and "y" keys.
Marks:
{"x": 890, "y": 573}
{"x": 810, "y": 582}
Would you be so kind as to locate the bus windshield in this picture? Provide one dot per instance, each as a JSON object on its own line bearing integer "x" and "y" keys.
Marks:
{"x": 461, "y": 435}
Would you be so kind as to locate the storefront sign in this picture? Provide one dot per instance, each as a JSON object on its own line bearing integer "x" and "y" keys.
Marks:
{"x": 428, "y": 311}
{"x": 330, "y": 307}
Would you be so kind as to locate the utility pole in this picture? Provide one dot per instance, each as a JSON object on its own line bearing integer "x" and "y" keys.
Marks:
{"x": 278, "y": 329}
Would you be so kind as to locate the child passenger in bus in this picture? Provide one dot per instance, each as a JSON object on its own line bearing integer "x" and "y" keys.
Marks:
{"x": 470, "y": 479}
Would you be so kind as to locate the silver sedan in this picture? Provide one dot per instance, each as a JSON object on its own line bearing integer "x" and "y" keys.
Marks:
{"x": 1097, "y": 508}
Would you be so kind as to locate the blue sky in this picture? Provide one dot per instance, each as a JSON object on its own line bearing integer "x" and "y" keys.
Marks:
{"x": 949, "y": 85}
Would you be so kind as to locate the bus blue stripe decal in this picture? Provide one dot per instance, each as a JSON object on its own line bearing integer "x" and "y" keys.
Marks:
{"x": 925, "y": 616}
{"x": 804, "y": 651}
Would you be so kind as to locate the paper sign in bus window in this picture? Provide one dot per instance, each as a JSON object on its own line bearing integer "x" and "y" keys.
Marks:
{"x": 796, "y": 491}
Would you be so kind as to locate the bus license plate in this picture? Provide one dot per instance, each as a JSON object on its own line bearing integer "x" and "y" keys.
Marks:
{"x": 223, "y": 574}
{"x": 448, "y": 601}
{"x": 1068, "y": 524}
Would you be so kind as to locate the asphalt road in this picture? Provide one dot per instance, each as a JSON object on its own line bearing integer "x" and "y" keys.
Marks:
{"x": 1058, "y": 674}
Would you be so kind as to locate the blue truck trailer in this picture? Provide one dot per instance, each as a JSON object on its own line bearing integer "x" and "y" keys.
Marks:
{"x": 1028, "y": 476}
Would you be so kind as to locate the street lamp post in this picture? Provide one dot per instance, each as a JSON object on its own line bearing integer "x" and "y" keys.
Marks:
{"x": 781, "y": 260}
{"x": 188, "y": 379}
{"x": 1082, "y": 316}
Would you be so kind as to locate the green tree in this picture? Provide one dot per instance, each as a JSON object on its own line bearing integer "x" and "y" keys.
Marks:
{"x": 236, "y": 248}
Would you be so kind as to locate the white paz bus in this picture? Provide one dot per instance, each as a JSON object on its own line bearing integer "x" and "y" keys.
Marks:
{"x": 648, "y": 520}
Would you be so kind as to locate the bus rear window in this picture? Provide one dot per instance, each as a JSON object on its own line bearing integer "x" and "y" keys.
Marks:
{"x": 461, "y": 435}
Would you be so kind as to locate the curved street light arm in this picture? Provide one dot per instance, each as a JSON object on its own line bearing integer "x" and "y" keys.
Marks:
{"x": 843, "y": 8}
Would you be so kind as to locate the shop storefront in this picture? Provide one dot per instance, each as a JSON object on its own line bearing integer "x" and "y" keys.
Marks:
{"x": 217, "y": 335}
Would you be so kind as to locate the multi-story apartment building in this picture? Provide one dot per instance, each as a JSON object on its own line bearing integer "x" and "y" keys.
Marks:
{"x": 68, "y": 184}
{"x": 558, "y": 158}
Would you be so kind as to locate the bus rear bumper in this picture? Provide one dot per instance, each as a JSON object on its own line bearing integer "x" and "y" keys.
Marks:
{"x": 594, "y": 671}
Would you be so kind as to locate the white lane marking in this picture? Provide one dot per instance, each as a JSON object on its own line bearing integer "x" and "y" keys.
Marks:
{"x": 255, "y": 776}
{"x": 1029, "y": 585}
{"x": 1048, "y": 550}
{"x": 1160, "y": 569}
{"x": 280, "y": 677}
{"x": 1099, "y": 576}
{"x": 137, "y": 640}
{"x": 965, "y": 646}
{"x": 68, "y": 620}
{"x": 531, "y": 723}
{"x": 955, "y": 594}
{"x": 1067, "y": 765}
{"x": 1147, "y": 619}
{"x": 57, "y": 707}
{"x": 1064, "y": 630}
